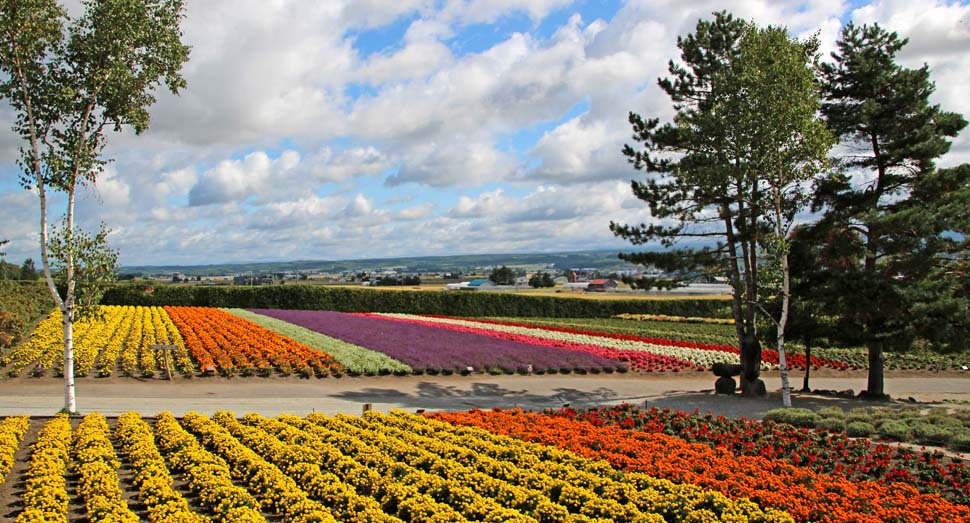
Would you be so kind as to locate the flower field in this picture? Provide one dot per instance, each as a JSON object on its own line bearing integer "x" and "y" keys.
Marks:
{"x": 654, "y": 353}
{"x": 857, "y": 459}
{"x": 354, "y": 358}
{"x": 378, "y": 468}
{"x": 220, "y": 341}
{"x": 117, "y": 342}
{"x": 771, "y": 483}
{"x": 427, "y": 348}
{"x": 238, "y": 342}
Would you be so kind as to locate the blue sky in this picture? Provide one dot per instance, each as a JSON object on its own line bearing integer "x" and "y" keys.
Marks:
{"x": 360, "y": 129}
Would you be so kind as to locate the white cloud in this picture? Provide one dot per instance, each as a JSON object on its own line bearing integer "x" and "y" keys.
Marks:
{"x": 237, "y": 180}
{"x": 276, "y": 80}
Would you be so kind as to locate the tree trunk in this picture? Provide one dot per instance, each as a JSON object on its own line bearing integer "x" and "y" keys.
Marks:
{"x": 70, "y": 401}
{"x": 785, "y": 299}
{"x": 875, "y": 387}
{"x": 808, "y": 366}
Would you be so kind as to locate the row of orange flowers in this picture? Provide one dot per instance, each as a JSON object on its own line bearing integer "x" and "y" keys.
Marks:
{"x": 806, "y": 495}
{"x": 220, "y": 341}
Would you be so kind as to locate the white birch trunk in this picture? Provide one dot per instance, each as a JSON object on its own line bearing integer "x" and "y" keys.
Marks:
{"x": 785, "y": 298}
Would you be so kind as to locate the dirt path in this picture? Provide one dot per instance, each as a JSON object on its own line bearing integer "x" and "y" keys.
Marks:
{"x": 271, "y": 396}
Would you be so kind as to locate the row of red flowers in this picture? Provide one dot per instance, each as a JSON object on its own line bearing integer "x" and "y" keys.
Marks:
{"x": 805, "y": 494}
{"x": 833, "y": 453}
{"x": 795, "y": 361}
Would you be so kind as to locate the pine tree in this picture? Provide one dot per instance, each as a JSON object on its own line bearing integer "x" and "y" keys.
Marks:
{"x": 891, "y": 211}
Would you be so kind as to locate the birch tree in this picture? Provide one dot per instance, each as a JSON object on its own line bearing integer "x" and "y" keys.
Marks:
{"x": 69, "y": 82}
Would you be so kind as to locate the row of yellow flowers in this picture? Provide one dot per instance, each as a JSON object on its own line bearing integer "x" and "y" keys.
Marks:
{"x": 207, "y": 475}
{"x": 678, "y": 319}
{"x": 152, "y": 478}
{"x": 313, "y": 470}
{"x": 12, "y": 431}
{"x": 276, "y": 491}
{"x": 96, "y": 465}
{"x": 45, "y": 491}
{"x": 120, "y": 338}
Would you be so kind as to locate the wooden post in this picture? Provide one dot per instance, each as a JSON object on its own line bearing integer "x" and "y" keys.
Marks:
{"x": 165, "y": 350}
{"x": 367, "y": 407}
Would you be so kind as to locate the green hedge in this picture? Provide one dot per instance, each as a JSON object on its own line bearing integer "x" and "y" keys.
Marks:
{"x": 456, "y": 303}
{"x": 21, "y": 304}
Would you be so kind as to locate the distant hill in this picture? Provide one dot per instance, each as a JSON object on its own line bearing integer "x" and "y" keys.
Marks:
{"x": 602, "y": 260}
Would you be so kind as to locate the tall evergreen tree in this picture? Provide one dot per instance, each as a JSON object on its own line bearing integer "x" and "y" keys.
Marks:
{"x": 731, "y": 166}
{"x": 891, "y": 211}
{"x": 697, "y": 191}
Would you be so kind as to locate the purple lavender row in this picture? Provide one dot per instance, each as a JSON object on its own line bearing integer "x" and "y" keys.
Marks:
{"x": 424, "y": 347}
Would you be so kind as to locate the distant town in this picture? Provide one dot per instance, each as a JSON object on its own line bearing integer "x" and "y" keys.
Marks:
{"x": 602, "y": 272}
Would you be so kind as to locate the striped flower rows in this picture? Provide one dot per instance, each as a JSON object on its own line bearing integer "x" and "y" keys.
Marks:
{"x": 354, "y": 358}
{"x": 690, "y": 354}
{"x": 121, "y": 338}
{"x": 676, "y": 356}
{"x": 381, "y": 468}
{"x": 225, "y": 343}
{"x": 431, "y": 349}
{"x": 806, "y": 495}
{"x": 638, "y": 359}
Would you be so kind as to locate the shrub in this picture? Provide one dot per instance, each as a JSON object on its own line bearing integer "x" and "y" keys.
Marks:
{"x": 859, "y": 429}
{"x": 832, "y": 424}
{"x": 960, "y": 442}
{"x": 832, "y": 412}
{"x": 858, "y": 414}
{"x": 894, "y": 430}
{"x": 348, "y": 299}
{"x": 927, "y": 434}
{"x": 794, "y": 416}
{"x": 946, "y": 421}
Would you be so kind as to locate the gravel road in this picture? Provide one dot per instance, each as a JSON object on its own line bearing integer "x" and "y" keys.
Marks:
{"x": 271, "y": 396}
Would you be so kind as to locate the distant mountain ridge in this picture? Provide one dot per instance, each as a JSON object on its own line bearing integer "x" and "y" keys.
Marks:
{"x": 602, "y": 260}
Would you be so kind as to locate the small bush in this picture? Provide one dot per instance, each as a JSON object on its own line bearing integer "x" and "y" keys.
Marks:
{"x": 858, "y": 414}
{"x": 794, "y": 416}
{"x": 832, "y": 412}
{"x": 859, "y": 429}
{"x": 894, "y": 430}
{"x": 832, "y": 424}
{"x": 946, "y": 421}
{"x": 927, "y": 434}
{"x": 961, "y": 442}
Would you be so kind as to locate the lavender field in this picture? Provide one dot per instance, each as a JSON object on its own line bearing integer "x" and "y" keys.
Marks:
{"x": 427, "y": 348}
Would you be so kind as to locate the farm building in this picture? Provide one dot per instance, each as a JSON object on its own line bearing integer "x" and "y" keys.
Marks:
{"x": 575, "y": 285}
{"x": 601, "y": 285}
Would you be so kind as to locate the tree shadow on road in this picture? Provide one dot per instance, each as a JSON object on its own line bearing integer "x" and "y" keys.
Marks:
{"x": 481, "y": 395}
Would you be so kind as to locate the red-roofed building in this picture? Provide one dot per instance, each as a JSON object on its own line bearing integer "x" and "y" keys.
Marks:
{"x": 601, "y": 285}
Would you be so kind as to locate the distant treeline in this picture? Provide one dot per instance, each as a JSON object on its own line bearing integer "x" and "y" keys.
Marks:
{"x": 455, "y": 303}
{"x": 601, "y": 260}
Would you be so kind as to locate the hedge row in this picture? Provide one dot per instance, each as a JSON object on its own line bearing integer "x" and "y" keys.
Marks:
{"x": 21, "y": 304}
{"x": 456, "y": 303}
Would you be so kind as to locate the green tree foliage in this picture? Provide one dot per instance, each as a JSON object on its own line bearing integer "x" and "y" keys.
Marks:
{"x": 731, "y": 166}
{"x": 28, "y": 271}
{"x": 775, "y": 100}
{"x": 541, "y": 279}
{"x": 502, "y": 276}
{"x": 894, "y": 224}
{"x": 68, "y": 82}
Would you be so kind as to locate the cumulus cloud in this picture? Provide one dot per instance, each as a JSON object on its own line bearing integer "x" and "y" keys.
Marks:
{"x": 292, "y": 141}
{"x": 236, "y": 180}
